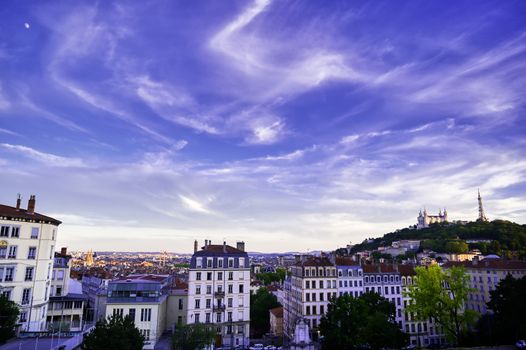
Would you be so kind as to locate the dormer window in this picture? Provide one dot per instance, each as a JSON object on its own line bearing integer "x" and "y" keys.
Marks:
{"x": 199, "y": 262}
{"x": 230, "y": 262}
{"x": 209, "y": 262}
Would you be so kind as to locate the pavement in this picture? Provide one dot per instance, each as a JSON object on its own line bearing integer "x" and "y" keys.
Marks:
{"x": 33, "y": 344}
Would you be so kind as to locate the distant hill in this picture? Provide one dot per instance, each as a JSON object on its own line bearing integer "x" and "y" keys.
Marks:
{"x": 505, "y": 238}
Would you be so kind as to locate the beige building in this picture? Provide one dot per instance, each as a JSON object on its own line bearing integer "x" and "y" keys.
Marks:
{"x": 27, "y": 247}
{"x": 276, "y": 321}
{"x": 177, "y": 305}
{"x": 307, "y": 292}
{"x": 485, "y": 275}
{"x": 144, "y": 298}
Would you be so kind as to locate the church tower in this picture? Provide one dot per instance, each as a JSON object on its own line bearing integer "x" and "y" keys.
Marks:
{"x": 482, "y": 216}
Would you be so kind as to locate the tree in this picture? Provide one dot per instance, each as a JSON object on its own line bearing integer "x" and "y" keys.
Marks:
{"x": 8, "y": 316}
{"x": 509, "y": 310}
{"x": 441, "y": 296}
{"x": 116, "y": 333}
{"x": 260, "y": 304}
{"x": 192, "y": 337}
{"x": 364, "y": 322}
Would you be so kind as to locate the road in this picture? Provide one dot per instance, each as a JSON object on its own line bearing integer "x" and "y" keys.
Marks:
{"x": 32, "y": 344}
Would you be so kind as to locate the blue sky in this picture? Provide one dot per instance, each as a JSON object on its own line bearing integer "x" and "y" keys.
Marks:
{"x": 292, "y": 125}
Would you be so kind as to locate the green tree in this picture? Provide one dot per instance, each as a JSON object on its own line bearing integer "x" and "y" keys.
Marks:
{"x": 441, "y": 295}
{"x": 509, "y": 310}
{"x": 364, "y": 322}
{"x": 192, "y": 337}
{"x": 116, "y": 333}
{"x": 260, "y": 304}
{"x": 8, "y": 316}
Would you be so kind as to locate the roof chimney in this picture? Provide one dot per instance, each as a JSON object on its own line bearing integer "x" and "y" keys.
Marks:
{"x": 224, "y": 246}
{"x": 241, "y": 246}
{"x": 18, "y": 201}
{"x": 195, "y": 246}
{"x": 31, "y": 204}
{"x": 64, "y": 251}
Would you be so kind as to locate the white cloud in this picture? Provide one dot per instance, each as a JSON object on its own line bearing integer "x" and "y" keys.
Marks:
{"x": 194, "y": 205}
{"x": 48, "y": 158}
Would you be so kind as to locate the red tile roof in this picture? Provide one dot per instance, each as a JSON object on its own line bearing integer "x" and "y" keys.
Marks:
{"x": 497, "y": 264}
{"x": 379, "y": 268}
{"x": 315, "y": 261}
{"x": 13, "y": 213}
{"x": 346, "y": 261}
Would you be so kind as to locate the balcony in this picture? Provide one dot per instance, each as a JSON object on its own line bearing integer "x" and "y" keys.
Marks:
{"x": 219, "y": 294}
{"x": 219, "y": 307}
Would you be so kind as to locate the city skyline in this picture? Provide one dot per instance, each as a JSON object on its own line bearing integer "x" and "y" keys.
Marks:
{"x": 288, "y": 125}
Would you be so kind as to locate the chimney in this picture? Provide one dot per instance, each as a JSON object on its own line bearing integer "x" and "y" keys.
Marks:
{"x": 241, "y": 246}
{"x": 224, "y": 246}
{"x": 195, "y": 246}
{"x": 18, "y": 201}
{"x": 31, "y": 204}
{"x": 64, "y": 251}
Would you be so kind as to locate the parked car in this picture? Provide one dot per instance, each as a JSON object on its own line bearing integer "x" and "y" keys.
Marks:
{"x": 270, "y": 347}
{"x": 257, "y": 347}
{"x": 521, "y": 344}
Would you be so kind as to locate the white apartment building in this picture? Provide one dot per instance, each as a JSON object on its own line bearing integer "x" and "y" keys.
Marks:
{"x": 384, "y": 279}
{"x": 350, "y": 277}
{"x": 307, "y": 292}
{"x": 485, "y": 275}
{"x": 219, "y": 292}
{"x": 27, "y": 247}
{"x": 144, "y": 299}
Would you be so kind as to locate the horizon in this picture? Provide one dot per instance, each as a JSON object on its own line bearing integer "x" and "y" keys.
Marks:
{"x": 303, "y": 126}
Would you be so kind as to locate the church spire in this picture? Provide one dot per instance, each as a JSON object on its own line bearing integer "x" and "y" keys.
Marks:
{"x": 482, "y": 216}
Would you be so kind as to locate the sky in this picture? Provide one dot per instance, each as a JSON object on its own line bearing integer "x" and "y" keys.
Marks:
{"x": 291, "y": 125}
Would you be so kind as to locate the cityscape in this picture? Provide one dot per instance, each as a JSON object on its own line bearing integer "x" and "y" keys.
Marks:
{"x": 262, "y": 175}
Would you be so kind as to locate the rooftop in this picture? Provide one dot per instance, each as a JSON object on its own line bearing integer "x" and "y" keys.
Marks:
{"x": 218, "y": 249}
{"x": 24, "y": 215}
{"x": 496, "y": 264}
{"x": 277, "y": 311}
{"x": 315, "y": 261}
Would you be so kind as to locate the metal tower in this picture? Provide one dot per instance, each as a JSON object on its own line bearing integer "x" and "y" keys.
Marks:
{"x": 482, "y": 216}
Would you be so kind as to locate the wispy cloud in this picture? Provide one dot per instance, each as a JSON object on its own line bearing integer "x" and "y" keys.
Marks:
{"x": 48, "y": 158}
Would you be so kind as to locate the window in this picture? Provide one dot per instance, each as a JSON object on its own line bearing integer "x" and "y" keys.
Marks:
{"x": 78, "y": 305}
{"x": 208, "y": 303}
{"x": 230, "y": 262}
{"x": 209, "y": 276}
{"x": 322, "y": 309}
{"x": 180, "y": 304}
{"x": 23, "y": 316}
{"x": 197, "y": 304}
{"x": 32, "y": 252}
{"x": 241, "y": 288}
{"x": 198, "y": 276}
{"x": 209, "y": 262}
{"x": 118, "y": 312}
{"x": 314, "y": 309}
{"x": 199, "y": 262}
{"x": 34, "y": 232}
{"x": 307, "y": 310}
{"x": 196, "y": 318}
{"x": 4, "y": 231}
{"x": 12, "y": 252}
{"x": 51, "y": 251}
{"x": 321, "y": 284}
{"x": 307, "y": 284}
{"x": 307, "y": 297}
{"x": 60, "y": 275}
{"x": 386, "y": 290}
{"x": 15, "y": 231}
{"x": 241, "y": 262}
{"x": 198, "y": 289}
{"x": 321, "y": 296}
{"x": 220, "y": 262}
{"x": 220, "y": 276}
{"x": 58, "y": 291}
{"x": 392, "y": 290}
{"x": 313, "y": 284}
{"x": 230, "y": 276}
{"x": 146, "y": 315}
{"x": 3, "y": 252}
{"x": 313, "y": 296}
{"x": 25, "y": 296}
{"x": 131, "y": 313}
{"x": 207, "y": 317}
{"x": 230, "y": 302}
{"x": 218, "y": 317}
{"x": 230, "y": 288}
{"x": 230, "y": 316}
{"x": 29, "y": 273}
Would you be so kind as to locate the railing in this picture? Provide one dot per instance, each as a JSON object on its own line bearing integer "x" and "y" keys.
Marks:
{"x": 219, "y": 307}
{"x": 219, "y": 294}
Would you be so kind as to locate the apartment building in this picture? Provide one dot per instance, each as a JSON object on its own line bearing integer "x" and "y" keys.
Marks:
{"x": 421, "y": 333}
{"x": 27, "y": 247}
{"x": 384, "y": 279}
{"x": 485, "y": 275}
{"x": 350, "y": 277}
{"x": 144, "y": 299}
{"x": 95, "y": 288}
{"x": 219, "y": 292}
{"x": 177, "y": 306}
{"x": 66, "y": 309}
{"x": 307, "y": 291}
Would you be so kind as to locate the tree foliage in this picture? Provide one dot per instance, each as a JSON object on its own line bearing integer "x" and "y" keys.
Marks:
{"x": 8, "y": 316}
{"x": 268, "y": 277}
{"x": 441, "y": 296}
{"x": 504, "y": 238}
{"x": 260, "y": 304}
{"x": 192, "y": 337}
{"x": 508, "y": 303}
{"x": 364, "y": 322}
{"x": 116, "y": 333}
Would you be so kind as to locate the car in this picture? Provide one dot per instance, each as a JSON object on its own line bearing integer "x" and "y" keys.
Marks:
{"x": 257, "y": 347}
{"x": 270, "y": 347}
{"x": 521, "y": 344}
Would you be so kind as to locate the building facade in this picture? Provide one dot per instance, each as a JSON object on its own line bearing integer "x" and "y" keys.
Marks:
{"x": 350, "y": 277}
{"x": 424, "y": 219}
{"x": 27, "y": 247}
{"x": 219, "y": 292}
{"x": 307, "y": 292}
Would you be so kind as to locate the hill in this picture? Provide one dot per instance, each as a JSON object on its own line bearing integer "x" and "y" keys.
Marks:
{"x": 503, "y": 238}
